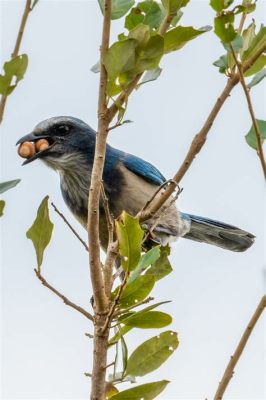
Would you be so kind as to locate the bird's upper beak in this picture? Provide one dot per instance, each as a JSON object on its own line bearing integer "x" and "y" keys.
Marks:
{"x": 33, "y": 137}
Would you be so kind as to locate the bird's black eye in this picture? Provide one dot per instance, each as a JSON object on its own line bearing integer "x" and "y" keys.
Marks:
{"x": 62, "y": 129}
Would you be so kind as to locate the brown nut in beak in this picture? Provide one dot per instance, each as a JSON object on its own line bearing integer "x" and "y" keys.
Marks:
{"x": 26, "y": 150}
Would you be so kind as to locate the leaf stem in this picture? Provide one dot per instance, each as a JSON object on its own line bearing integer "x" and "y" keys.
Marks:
{"x": 228, "y": 373}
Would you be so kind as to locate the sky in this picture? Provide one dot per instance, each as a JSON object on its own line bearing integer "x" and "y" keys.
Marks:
{"x": 214, "y": 292}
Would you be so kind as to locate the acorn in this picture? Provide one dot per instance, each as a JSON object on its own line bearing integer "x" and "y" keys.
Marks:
{"x": 26, "y": 150}
{"x": 41, "y": 144}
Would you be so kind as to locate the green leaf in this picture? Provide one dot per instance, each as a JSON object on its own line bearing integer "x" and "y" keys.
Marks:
{"x": 124, "y": 354}
{"x": 2, "y": 206}
{"x": 34, "y": 4}
{"x": 13, "y": 68}
{"x": 124, "y": 51}
{"x": 41, "y": 231}
{"x": 17, "y": 67}
{"x": 145, "y": 261}
{"x": 220, "y": 5}
{"x": 122, "y": 331}
{"x": 237, "y": 44}
{"x": 257, "y": 66}
{"x": 151, "y": 75}
{"x": 224, "y": 27}
{"x": 151, "y": 354}
{"x": 248, "y": 35}
{"x": 146, "y": 12}
{"x": 110, "y": 390}
{"x": 177, "y": 37}
{"x": 257, "y": 78}
{"x": 135, "y": 291}
{"x": 177, "y": 18}
{"x": 141, "y": 33}
{"x": 149, "y": 319}
{"x": 4, "y": 186}
{"x": 256, "y": 43}
{"x": 126, "y": 316}
{"x": 147, "y": 391}
{"x": 96, "y": 68}
{"x": 130, "y": 235}
{"x": 251, "y": 135}
{"x": 149, "y": 55}
{"x": 119, "y": 7}
{"x": 162, "y": 266}
{"x": 222, "y": 64}
{"x": 173, "y": 6}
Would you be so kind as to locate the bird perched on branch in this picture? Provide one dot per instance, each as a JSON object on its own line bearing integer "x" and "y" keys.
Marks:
{"x": 129, "y": 183}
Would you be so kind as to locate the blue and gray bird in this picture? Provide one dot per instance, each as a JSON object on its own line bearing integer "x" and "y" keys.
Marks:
{"x": 129, "y": 182}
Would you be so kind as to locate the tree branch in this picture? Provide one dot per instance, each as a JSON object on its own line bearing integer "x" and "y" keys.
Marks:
{"x": 200, "y": 138}
{"x": 61, "y": 296}
{"x": 23, "y": 22}
{"x": 70, "y": 226}
{"x": 101, "y": 301}
{"x": 228, "y": 373}
{"x": 115, "y": 302}
{"x": 251, "y": 111}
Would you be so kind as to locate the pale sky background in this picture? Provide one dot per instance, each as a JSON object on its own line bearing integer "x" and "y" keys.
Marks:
{"x": 214, "y": 291}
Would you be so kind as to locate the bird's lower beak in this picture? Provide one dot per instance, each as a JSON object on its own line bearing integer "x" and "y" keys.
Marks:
{"x": 32, "y": 137}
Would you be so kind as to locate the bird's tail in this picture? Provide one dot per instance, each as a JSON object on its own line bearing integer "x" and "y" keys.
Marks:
{"x": 217, "y": 233}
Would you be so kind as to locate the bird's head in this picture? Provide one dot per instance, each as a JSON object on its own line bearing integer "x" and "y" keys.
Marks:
{"x": 66, "y": 136}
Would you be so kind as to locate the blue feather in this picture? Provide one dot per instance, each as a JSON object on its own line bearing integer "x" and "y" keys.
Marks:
{"x": 144, "y": 169}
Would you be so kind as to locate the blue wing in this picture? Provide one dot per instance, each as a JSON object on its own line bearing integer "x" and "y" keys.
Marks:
{"x": 144, "y": 169}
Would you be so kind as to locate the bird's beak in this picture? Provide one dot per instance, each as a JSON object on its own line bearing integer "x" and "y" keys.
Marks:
{"x": 32, "y": 137}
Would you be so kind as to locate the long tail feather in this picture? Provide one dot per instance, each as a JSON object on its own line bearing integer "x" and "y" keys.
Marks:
{"x": 218, "y": 233}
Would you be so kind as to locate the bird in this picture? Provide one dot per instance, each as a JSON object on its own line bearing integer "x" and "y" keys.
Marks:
{"x": 129, "y": 183}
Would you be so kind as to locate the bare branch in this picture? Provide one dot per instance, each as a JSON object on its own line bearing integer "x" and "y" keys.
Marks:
{"x": 64, "y": 298}
{"x": 228, "y": 373}
{"x": 251, "y": 111}
{"x": 23, "y": 22}
{"x": 70, "y": 226}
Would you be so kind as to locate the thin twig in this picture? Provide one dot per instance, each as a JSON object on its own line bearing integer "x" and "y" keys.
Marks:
{"x": 251, "y": 111}
{"x": 125, "y": 310}
{"x": 160, "y": 214}
{"x": 109, "y": 218}
{"x": 228, "y": 373}
{"x": 23, "y": 22}
{"x": 157, "y": 191}
{"x": 64, "y": 298}
{"x": 115, "y": 302}
{"x": 69, "y": 225}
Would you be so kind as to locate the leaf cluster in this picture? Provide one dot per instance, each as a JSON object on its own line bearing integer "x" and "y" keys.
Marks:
{"x": 142, "y": 270}
{"x": 143, "y": 46}
{"x": 241, "y": 45}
